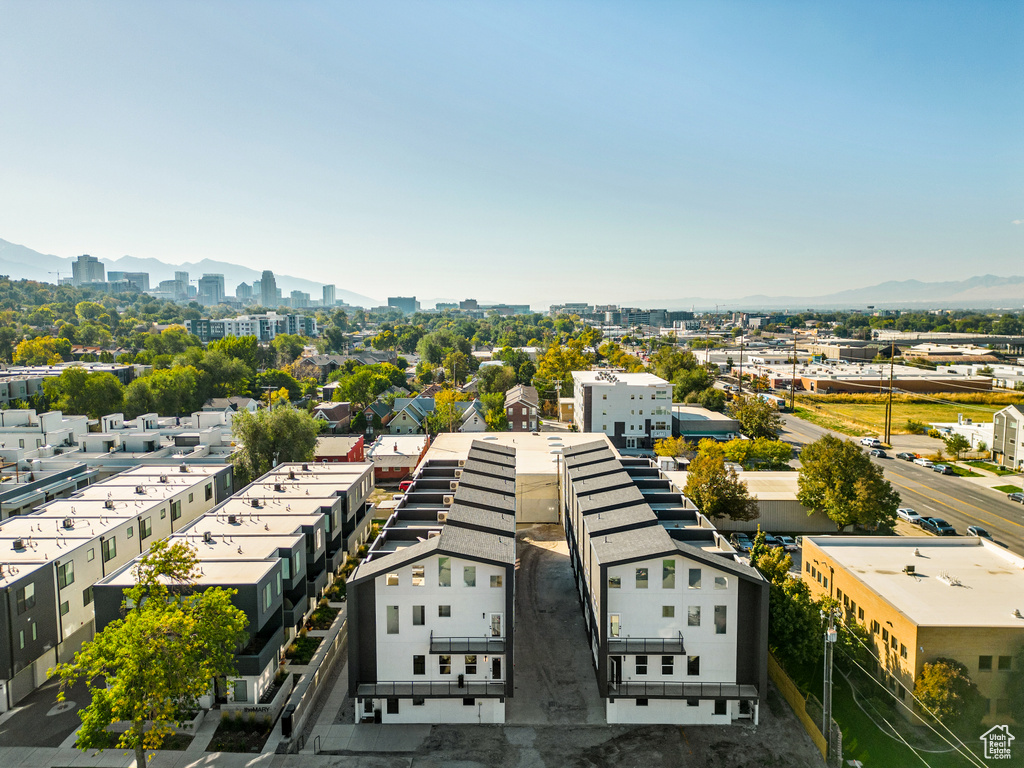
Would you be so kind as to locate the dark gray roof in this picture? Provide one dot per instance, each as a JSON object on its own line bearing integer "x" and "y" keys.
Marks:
{"x": 599, "y": 468}
{"x": 474, "y": 517}
{"x": 463, "y": 542}
{"x": 632, "y": 545}
{"x": 505, "y": 450}
{"x": 487, "y": 483}
{"x": 474, "y": 497}
{"x": 383, "y": 562}
{"x": 601, "y": 483}
{"x": 591, "y": 453}
{"x": 715, "y": 560}
{"x": 622, "y": 497}
{"x": 636, "y": 516}
{"x": 487, "y": 468}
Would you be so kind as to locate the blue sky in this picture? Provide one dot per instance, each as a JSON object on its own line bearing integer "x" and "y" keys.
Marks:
{"x": 519, "y": 151}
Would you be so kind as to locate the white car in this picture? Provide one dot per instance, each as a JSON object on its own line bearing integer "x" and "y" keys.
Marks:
{"x": 871, "y": 442}
{"x": 909, "y": 515}
{"x": 787, "y": 543}
{"x": 925, "y": 463}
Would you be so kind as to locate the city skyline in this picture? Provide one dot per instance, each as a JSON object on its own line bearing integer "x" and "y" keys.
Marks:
{"x": 724, "y": 147}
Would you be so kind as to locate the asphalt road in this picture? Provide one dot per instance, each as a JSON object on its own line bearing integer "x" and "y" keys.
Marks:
{"x": 954, "y": 499}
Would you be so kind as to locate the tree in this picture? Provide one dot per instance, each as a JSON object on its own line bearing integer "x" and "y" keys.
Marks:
{"x": 157, "y": 661}
{"x": 42, "y": 350}
{"x": 671, "y": 446}
{"x": 244, "y": 348}
{"x": 839, "y": 479}
{"x": 447, "y": 416}
{"x": 456, "y": 363}
{"x": 716, "y": 491}
{"x": 1015, "y": 686}
{"x": 757, "y": 418}
{"x": 78, "y": 391}
{"x": 956, "y": 444}
{"x": 288, "y": 347}
{"x": 276, "y": 379}
{"x": 945, "y": 688}
{"x": 270, "y": 437}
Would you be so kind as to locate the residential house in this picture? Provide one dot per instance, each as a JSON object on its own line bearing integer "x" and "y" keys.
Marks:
{"x": 340, "y": 448}
{"x": 395, "y": 457}
{"x": 338, "y": 415}
{"x": 232, "y": 404}
{"x": 522, "y": 408}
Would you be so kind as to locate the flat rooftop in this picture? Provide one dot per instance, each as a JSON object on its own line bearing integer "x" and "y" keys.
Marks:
{"x": 244, "y": 526}
{"x": 211, "y": 573}
{"x": 769, "y": 486}
{"x": 281, "y": 504}
{"x": 247, "y": 547}
{"x": 535, "y": 454}
{"x": 987, "y": 580}
{"x": 608, "y": 379}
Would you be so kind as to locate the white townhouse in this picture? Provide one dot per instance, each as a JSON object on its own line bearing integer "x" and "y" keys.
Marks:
{"x": 431, "y": 607}
{"x": 633, "y": 409}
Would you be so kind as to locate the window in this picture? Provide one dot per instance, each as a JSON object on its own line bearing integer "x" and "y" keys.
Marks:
{"x": 893, "y": 642}
{"x": 392, "y": 619}
{"x": 720, "y": 619}
{"x": 668, "y": 611}
{"x": 444, "y": 611}
{"x": 298, "y": 562}
{"x": 444, "y": 664}
{"x": 824, "y": 582}
{"x": 21, "y": 639}
{"x": 614, "y": 582}
{"x": 1005, "y": 662}
{"x": 131, "y": 531}
{"x": 444, "y": 571}
{"x": 839, "y": 596}
{"x": 721, "y": 582}
{"x": 695, "y": 578}
{"x": 641, "y": 578}
{"x": 109, "y": 549}
{"x": 146, "y": 528}
{"x": 267, "y": 597}
{"x": 209, "y": 494}
{"x": 496, "y": 580}
{"x": 860, "y": 614}
{"x": 641, "y": 665}
{"x": 190, "y": 497}
{"x": 903, "y": 651}
{"x": 641, "y": 702}
{"x": 693, "y": 616}
{"x": 874, "y": 627}
{"x": 471, "y": 665}
{"x": 985, "y": 663}
{"x": 668, "y": 574}
{"x": 418, "y": 702}
{"x": 604, "y": 396}
{"x": 613, "y": 620}
{"x": 391, "y": 580}
{"x": 668, "y": 665}
{"x": 392, "y": 706}
{"x": 163, "y": 514}
{"x": 26, "y": 598}
{"x": 419, "y": 665}
{"x": 64, "y": 608}
{"x": 419, "y": 575}
{"x": 91, "y": 554}
{"x": 807, "y": 567}
{"x": 286, "y": 567}
{"x": 721, "y": 707}
{"x": 65, "y": 574}
{"x": 468, "y": 702}
{"x": 418, "y": 615}
{"x": 86, "y": 595}
{"x": 241, "y": 691}
{"x": 279, "y": 582}
{"x": 885, "y": 635}
{"x": 469, "y": 575}
{"x": 693, "y": 702}
{"x": 693, "y": 665}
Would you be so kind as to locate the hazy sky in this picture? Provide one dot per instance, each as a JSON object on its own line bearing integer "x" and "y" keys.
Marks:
{"x": 519, "y": 151}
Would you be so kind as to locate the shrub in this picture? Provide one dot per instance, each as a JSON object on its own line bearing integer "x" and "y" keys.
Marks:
{"x": 916, "y": 427}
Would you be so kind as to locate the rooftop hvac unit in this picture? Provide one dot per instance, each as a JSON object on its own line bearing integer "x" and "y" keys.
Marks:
{"x": 910, "y": 570}
{"x": 453, "y": 485}
{"x": 449, "y": 500}
{"x": 141, "y": 489}
{"x": 433, "y": 534}
{"x": 19, "y": 543}
{"x": 291, "y": 474}
{"x": 458, "y": 473}
{"x": 68, "y": 523}
{"x": 255, "y": 503}
{"x": 109, "y": 503}
{"x": 305, "y": 467}
{"x": 278, "y": 487}
{"x": 232, "y": 518}
{"x": 442, "y": 517}
{"x": 462, "y": 462}
{"x": 183, "y": 468}
{"x": 163, "y": 478}
{"x": 207, "y": 537}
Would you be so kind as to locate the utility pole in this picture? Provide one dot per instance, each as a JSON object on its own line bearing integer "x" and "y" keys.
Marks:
{"x": 888, "y": 408}
{"x": 826, "y": 702}
{"x": 741, "y": 366}
{"x": 792, "y": 380}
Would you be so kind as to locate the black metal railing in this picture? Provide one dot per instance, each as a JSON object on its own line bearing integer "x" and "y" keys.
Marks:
{"x": 432, "y": 688}
{"x": 482, "y": 644}
{"x": 646, "y": 645}
{"x": 680, "y": 690}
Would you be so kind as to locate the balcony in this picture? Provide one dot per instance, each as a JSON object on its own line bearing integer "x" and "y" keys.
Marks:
{"x": 637, "y": 690}
{"x": 437, "y": 689}
{"x": 255, "y": 657}
{"x": 492, "y": 645}
{"x": 626, "y": 646}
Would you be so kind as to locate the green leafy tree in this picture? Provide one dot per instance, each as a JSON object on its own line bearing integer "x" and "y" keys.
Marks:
{"x": 497, "y": 379}
{"x": 456, "y": 363}
{"x": 956, "y": 444}
{"x": 757, "y": 418}
{"x": 671, "y": 446}
{"x": 839, "y": 479}
{"x": 283, "y": 434}
{"x": 243, "y": 348}
{"x": 155, "y": 663}
{"x": 273, "y": 380}
{"x": 718, "y": 492}
{"x": 81, "y": 392}
{"x": 288, "y": 347}
{"x": 945, "y": 688}
{"x": 42, "y": 350}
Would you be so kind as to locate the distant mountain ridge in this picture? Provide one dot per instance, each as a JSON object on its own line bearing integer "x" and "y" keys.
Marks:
{"x": 21, "y": 262}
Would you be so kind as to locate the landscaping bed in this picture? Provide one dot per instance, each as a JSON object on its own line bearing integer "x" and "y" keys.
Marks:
{"x": 176, "y": 741}
{"x": 301, "y": 651}
{"x": 1007, "y": 488}
{"x": 323, "y": 617}
{"x": 993, "y": 468}
{"x": 241, "y": 733}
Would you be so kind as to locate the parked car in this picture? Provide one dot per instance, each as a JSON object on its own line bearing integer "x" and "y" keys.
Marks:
{"x": 771, "y": 541}
{"x": 740, "y": 541}
{"x": 878, "y": 453}
{"x": 788, "y": 543}
{"x": 1018, "y": 497}
{"x": 924, "y": 462}
{"x": 397, "y": 496}
{"x": 977, "y": 530}
{"x": 938, "y": 526}
{"x": 405, "y": 485}
{"x": 871, "y": 442}
{"x": 906, "y": 456}
{"x": 943, "y": 469}
{"x": 909, "y": 515}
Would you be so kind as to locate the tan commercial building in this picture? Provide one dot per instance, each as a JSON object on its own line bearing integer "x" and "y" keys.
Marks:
{"x": 924, "y": 598}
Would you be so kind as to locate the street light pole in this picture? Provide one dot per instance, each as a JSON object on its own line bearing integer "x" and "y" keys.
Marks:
{"x": 826, "y": 704}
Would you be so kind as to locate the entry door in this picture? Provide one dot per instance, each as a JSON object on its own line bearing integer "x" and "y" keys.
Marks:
{"x": 614, "y": 619}
{"x": 496, "y": 625}
{"x": 615, "y": 671}
{"x": 496, "y": 668}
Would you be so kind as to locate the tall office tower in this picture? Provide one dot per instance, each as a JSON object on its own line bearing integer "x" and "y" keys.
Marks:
{"x": 329, "y": 297}
{"x": 268, "y": 290}
{"x": 87, "y": 269}
{"x": 211, "y": 290}
{"x": 181, "y": 286}
{"x": 243, "y": 293}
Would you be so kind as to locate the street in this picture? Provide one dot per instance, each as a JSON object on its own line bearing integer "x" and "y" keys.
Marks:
{"x": 954, "y": 499}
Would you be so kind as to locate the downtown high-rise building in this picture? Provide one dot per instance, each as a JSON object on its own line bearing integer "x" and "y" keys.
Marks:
{"x": 268, "y": 290}
{"x": 87, "y": 269}
{"x": 329, "y": 298}
{"x": 211, "y": 290}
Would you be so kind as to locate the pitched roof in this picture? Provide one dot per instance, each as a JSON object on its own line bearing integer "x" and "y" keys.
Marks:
{"x": 522, "y": 393}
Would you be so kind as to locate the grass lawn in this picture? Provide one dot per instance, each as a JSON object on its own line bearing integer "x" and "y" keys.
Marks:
{"x": 828, "y": 422}
{"x": 871, "y": 416}
{"x": 962, "y": 472}
{"x": 1007, "y": 488}
{"x": 994, "y": 468}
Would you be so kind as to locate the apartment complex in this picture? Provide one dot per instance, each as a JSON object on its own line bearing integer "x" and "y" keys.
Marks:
{"x": 927, "y": 598}
{"x": 54, "y": 556}
{"x": 1008, "y": 437}
{"x": 678, "y": 629}
{"x": 633, "y": 409}
{"x": 264, "y": 327}
{"x": 431, "y": 606}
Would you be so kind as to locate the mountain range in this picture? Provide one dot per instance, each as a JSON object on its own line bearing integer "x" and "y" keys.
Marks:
{"x": 20, "y": 262}
{"x": 981, "y": 292}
